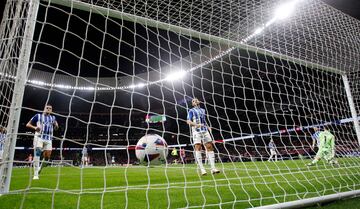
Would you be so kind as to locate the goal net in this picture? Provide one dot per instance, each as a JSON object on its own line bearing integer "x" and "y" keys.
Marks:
{"x": 277, "y": 79}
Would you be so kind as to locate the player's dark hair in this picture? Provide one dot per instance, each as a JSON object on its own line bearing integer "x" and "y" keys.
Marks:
{"x": 327, "y": 127}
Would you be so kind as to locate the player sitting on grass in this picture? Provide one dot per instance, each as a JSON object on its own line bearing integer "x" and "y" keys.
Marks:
{"x": 326, "y": 148}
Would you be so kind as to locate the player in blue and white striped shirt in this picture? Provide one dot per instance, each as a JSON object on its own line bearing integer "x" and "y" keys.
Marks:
{"x": 315, "y": 137}
{"x": 2, "y": 141}
{"x": 272, "y": 148}
{"x": 44, "y": 125}
{"x": 196, "y": 119}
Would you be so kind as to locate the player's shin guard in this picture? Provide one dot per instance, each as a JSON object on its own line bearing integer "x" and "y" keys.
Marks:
{"x": 211, "y": 157}
{"x": 198, "y": 158}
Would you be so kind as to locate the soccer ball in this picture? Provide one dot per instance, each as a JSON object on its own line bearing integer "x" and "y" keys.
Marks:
{"x": 151, "y": 149}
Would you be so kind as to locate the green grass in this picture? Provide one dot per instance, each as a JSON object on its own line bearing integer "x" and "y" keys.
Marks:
{"x": 240, "y": 185}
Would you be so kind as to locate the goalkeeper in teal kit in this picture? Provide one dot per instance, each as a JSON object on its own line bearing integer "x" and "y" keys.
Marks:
{"x": 326, "y": 148}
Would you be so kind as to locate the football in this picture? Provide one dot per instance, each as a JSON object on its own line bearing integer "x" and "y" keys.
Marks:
{"x": 151, "y": 149}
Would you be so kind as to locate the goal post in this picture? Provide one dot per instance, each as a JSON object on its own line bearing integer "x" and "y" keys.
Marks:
{"x": 116, "y": 72}
{"x": 354, "y": 114}
{"x": 20, "y": 73}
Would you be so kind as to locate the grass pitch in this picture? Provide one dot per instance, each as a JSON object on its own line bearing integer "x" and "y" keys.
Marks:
{"x": 240, "y": 185}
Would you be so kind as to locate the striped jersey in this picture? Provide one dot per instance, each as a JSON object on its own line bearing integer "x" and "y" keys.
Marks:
{"x": 46, "y": 124}
{"x": 315, "y": 136}
{"x": 197, "y": 115}
{"x": 2, "y": 140}
{"x": 272, "y": 145}
{"x": 84, "y": 151}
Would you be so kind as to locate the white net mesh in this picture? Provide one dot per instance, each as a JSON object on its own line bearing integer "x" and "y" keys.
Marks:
{"x": 116, "y": 71}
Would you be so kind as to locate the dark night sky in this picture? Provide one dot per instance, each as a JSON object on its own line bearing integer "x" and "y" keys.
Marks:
{"x": 350, "y": 7}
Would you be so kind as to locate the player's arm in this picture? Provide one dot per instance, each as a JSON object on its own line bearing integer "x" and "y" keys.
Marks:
{"x": 333, "y": 146}
{"x": 31, "y": 123}
{"x": 207, "y": 126}
{"x": 313, "y": 142}
{"x": 56, "y": 125}
{"x": 322, "y": 140}
{"x": 189, "y": 122}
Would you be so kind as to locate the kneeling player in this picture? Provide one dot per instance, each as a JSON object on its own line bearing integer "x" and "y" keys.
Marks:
{"x": 326, "y": 148}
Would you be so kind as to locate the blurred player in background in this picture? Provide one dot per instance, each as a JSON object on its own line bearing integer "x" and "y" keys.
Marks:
{"x": 2, "y": 141}
{"x": 272, "y": 148}
{"x": 113, "y": 160}
{"x": 29, "y": 159}
{"x": 326, "y": 148}
{"x": 174, "y": 154}
{"x": 44, "y": 125}
{"x": 84, "y": 157}
{"x": 315, "y": 138}
{"x": 183, "y": 155}
{"x": 201, "y": 135}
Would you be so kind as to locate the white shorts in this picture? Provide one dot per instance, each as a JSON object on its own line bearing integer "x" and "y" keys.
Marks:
{"x": 42, "y": 144}
{"x": 1, "y": 154}
{"x": 272, "y": 152}
{"x": 84, "y": 158}
{"x": 202, "y": 138}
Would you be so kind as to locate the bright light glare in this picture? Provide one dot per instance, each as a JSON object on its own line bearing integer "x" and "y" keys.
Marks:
{"x": 285, "y": 10}
{"x": 36, "y": 82}
{"x": 175, "y": 75}
{"x": 139, "y": 85}
{"x": 259, "y": 30}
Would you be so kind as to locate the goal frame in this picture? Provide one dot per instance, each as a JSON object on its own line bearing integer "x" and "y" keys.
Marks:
{"x": 24, "y": 57}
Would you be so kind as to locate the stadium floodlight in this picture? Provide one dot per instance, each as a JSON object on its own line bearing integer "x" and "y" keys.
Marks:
{"x": 259, "y": 30}
{"x": 285, "y": 10}
{"x": 62, "y": 86}
{"x": 37, "y": 82}
{"x": 140, "y": 85}
{"x": 177, "y": 75}
{"x": 133, "y": 86}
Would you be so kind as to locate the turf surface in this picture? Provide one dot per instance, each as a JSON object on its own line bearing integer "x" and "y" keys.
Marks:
{"x": 240, "y": 185}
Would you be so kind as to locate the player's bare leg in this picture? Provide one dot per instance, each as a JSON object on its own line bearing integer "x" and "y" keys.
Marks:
{"x": 46, "y": 160}
{"x": 37, "y": 154}
{"x": 211, "y": 157}
{"x": 198, "y": 158}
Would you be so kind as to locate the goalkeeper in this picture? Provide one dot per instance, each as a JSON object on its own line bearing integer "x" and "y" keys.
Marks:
{"x": 326, "y": 148}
